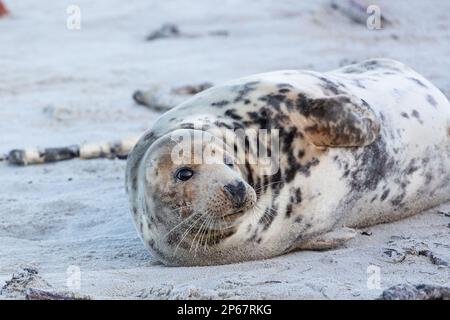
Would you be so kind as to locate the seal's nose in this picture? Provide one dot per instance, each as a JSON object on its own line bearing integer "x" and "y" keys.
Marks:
{"x": 236, "y": 193}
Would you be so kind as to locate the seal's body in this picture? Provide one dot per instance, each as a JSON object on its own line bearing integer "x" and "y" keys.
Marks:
{"x": 365, "y": 144}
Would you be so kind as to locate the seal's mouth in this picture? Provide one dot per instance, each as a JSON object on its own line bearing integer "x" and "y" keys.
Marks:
{"x": 232, "y": 216}
{"x": 213, "y": 234}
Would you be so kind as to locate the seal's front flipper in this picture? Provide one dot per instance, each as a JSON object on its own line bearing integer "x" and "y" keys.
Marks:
{"x": 331, "y": 240}
{"x": 338, "y": 121}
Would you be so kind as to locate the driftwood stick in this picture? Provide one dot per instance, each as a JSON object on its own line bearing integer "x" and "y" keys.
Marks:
{"x": 35, "y": 156}
{"x": 116, "y": 149}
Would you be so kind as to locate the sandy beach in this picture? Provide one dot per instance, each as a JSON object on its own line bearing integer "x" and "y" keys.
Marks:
{"x": 66, "y": 227}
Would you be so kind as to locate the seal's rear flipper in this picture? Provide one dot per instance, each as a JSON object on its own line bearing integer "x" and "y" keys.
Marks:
{"x": 162, "y": 98}
{"x": 331, "y": 240}
{"x": 338, "y": 121}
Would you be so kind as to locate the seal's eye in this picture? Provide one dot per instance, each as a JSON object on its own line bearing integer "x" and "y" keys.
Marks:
{"x": 184, "y": 174}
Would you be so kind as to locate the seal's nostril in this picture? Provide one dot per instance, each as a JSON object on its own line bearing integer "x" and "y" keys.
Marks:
{"x": 236, "y": 193}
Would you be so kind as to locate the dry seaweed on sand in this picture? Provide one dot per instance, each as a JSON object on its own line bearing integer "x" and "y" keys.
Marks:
{"x": 398, "y": 256}
{"x": 21, "y": 280}
{"x": 433, "y": 258}
{"x": 417, "y": 292}
{"x": 39, "y": 294}
{"x": 444, "y": 213}
{"x": 171, "y": 30}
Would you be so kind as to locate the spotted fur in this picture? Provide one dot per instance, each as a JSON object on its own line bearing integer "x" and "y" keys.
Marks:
{"x": 365, "y": 144}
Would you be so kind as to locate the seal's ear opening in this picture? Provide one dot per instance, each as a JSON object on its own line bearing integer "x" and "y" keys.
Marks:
{"x": 338, "y": 121}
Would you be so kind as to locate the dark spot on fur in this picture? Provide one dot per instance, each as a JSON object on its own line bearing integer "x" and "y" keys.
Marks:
{"x": 431, "y": 100}
{"x": 298, "y": 219}
{"x": 351, "y": 70}
{"x": 404, "y": 115}
{"x": 259, "y": 118}
{"x": 370, "y": 65}
{"x": 416, "y": 115}
{"x": 385, "y": 194}
{"x": 296, "y": 196}
{"x": 288, "y": 210}
{"x": 331, "y": 86}
{"x": 289, "y": 104}
{"x": 412, "y": 167}
{"x": 267, "y": 118}
{"x": 296, "y": 167}
{"x": 398, "y": 200}
{"x": 232, "y": 114}
{"x": 220, "y": 104}
{"x": 148, "y": 136}
{"x": 372, "y": 163}
{"x": 221, "y": 124}
{"x": 417, "y": 81}
{"x": 249, "y": 174}
{"x": 244, "y": 90}
{"x": 253, "y": 236}
{"x": 359, "y": 84}
{"x": 238, "y": 125}
{"x": 273, "y": 100}
{"x": 287, "y": 138}
{"x": 428, "y": 178}
{"x": 346, "y": 173}
{"x": 134, "y": 183}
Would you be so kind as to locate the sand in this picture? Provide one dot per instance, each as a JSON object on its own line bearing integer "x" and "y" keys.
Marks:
{"x": 60, "y": 87}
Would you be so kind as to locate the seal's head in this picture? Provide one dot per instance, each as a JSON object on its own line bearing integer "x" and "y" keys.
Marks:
{"x": 190, "y": 196}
